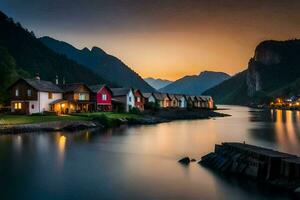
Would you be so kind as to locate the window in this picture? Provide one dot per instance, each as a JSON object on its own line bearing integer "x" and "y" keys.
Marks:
{"x": 29, "y": 92}
{"x": 104, "y": 97}
{"x": 50, "y": 95}
{"x": 32, "y": 106}
{"x": 17, "y": 92}
{"x": 138, "y": 99}
{"x": 18, "y": 106}
{"x": 83, "y": 96}
{"x": 129, "y": 99}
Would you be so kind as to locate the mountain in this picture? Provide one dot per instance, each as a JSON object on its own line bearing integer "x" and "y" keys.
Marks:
{"x": 195, "y": 85}
{"x": 32, "y": 56}
{"x": 103, "y": 64}
{"x": 23, "y": 55}
{"x": 272, "y": 72}
{"x": 157, "y": 83}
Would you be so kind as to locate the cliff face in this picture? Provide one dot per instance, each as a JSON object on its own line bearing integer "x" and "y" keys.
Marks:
{"x": 264, "y": 57}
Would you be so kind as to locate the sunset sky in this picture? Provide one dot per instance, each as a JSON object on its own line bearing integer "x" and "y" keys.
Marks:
{"x": 164, "y": 39}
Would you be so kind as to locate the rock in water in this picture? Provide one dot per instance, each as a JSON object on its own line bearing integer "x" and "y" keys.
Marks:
{"x": 184, "y": 160}
{"x": 193, "y": 160}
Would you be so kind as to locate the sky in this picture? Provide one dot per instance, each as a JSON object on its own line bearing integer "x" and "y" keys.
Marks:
{"x": 164, "y": 38}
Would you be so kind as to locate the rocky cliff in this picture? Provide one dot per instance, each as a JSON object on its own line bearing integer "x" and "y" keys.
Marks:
{"x": 274, "y": 70}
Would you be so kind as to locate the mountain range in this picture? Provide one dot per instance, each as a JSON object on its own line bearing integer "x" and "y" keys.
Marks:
{"x": 157, "y": 83}
{"x": 272, "y": 72}
{"x": 196, "y": 84}
{"x": 103, "y": 64}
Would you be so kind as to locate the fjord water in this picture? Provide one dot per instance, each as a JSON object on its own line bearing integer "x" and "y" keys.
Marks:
{"x": 140, "y": 162}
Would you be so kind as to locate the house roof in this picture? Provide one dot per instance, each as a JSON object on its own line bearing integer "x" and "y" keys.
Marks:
{"x": 206, "y": 98}
{"x": 43, "y": 86}
{"x": 139, "y": 91}
{"x": 179, "y": 96}
{"x": 120, "y": 91}
{"x": 71, "y": 87}
{"x": 147, "y": 94}
{"x": 172, "y": 96}
{"x": 97, "y": 88}
{"x": 199, "y": 98}
{"x": 159, "y": 96}
{"x": 58, "y": 101}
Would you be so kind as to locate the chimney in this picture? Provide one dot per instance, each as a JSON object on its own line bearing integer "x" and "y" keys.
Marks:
{"x": 37, "y": 76}
{"x": 56, "y": 80}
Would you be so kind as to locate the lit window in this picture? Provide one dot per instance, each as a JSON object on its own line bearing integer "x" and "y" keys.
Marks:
{"x": 138, "y": 99}
{"x": 50, "y": 95}
{"x": 29, "y": 93}
{"x": 17, "y": 92}
{"x": 18, "y": 106}
{"x": 83, "y": 96}
{"x": 104, "y": 97}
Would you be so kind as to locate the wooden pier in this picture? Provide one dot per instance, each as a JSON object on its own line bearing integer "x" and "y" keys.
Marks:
{"x": 264, "y": 164}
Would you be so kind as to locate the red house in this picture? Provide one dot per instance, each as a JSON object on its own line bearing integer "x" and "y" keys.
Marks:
{"x": 139, "y": 100}
{"x": 102, "y": 96}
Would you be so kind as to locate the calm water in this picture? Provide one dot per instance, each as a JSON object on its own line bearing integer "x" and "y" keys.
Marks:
{"x": 140, "y": 162}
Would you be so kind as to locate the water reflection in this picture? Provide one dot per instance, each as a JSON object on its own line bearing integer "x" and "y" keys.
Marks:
{"x": 139, "y": 162}
{"x": 279, "y": 126}
{"x": 61, "y": 140}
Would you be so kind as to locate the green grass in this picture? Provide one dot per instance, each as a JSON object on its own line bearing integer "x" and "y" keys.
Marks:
{"x": 109, "y": 115}
{"x": 7, "y": 119}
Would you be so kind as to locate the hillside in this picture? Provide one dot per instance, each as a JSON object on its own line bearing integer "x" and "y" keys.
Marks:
{"x": 157, "y": 83}
{"x": 195, "y": 85}
{"x": 274, "y": 71}
{"x": 103, "y": 64}
{"x": 32, "y": 56}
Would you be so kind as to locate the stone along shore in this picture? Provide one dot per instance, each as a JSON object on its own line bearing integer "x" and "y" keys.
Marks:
{"x": 100, "y": 122}
{"x": 262, "y": 164}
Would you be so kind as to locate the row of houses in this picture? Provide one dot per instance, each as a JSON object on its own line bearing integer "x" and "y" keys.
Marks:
{"x": 29, "y": 96}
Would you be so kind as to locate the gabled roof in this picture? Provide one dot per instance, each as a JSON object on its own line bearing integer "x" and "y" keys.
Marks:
{"x": 97, "y": 88}
{"x": 199, "y": 98}
{"x": 71, "y": 87}
{"x": 120, "y": 91}
{"x": 43, "y": 86}
{"x": 139, "y": 91}
{"x": 147, "y": 94}
{"x": 179, "y": 96}
{"x": 159, "y": 96}
{"x": 165, "y": 96}
{"x": 172, "y": 96}
{"x": 206, "y": 98}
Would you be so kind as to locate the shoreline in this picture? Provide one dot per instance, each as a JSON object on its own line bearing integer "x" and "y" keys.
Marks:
{"x": 147, "y": 118}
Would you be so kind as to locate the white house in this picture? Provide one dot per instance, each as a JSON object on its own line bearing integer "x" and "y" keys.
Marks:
{"x": 29, "y": 96}
{"x": 182, "y": 101}
{"x": 125, "y": 96}
{"x": 149, "y": 97}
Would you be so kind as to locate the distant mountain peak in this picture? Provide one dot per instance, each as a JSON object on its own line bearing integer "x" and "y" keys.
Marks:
{"x": 98, "y": 50}
{"x": 157, "y": 83}
{"x": 211, "y": 72}
{"x": 85, "y": 49}
{"x": 195, "y": 84}
{"x": 101, "y": 63}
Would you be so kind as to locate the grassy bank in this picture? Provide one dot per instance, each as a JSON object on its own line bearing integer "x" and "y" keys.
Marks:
{"x": 8, "y": 119}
